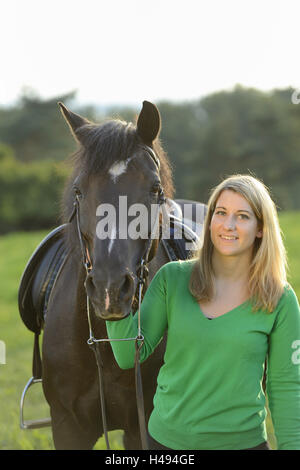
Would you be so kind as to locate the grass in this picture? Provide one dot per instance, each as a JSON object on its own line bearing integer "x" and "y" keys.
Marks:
{"x": 15, "y": 250}
{"x": 290, "y": 225}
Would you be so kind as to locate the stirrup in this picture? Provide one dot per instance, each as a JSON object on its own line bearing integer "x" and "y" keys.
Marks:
{"x": 32, "y": 424}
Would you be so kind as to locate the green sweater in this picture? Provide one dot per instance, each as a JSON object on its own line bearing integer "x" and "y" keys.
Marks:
{"x": 209, "y": 389}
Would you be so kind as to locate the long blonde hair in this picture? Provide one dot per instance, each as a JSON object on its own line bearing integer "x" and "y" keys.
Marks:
{"x": 267, "y": 275}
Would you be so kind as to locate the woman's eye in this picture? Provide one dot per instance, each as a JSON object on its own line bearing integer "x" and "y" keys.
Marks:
{"x": 220, "y": 213}
{"x": 243, "y": 216}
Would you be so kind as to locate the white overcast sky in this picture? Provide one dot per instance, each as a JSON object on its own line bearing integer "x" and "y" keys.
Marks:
{"x": 125, "y": 51}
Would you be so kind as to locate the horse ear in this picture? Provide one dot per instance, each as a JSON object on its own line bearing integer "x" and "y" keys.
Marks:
{"x": 74, "y": 120}
{"x": 148, "y": 123}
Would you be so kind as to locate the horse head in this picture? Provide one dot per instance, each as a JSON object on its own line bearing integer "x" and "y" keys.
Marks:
{"x": 120, "y": 178}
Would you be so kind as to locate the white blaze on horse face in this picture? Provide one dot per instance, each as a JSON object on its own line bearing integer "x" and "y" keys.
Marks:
{"x": 112, "y": 238}
{"x": 118, "y": 168}
{"x": 106, "y": 299}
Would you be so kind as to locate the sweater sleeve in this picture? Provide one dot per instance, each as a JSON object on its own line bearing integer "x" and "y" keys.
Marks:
{"x": 283, "y": 373}
{"x": 153, "y": 324}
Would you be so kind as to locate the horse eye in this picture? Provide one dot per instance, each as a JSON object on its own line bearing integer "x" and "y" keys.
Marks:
{"x": 155, "y": 188}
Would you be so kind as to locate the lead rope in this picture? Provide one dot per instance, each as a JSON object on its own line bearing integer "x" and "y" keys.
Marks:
{"x": 137, "y": 364}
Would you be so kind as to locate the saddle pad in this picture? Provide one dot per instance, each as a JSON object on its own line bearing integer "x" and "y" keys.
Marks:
{"x": 182, "y": 240}
{"x": 38, "y": 278}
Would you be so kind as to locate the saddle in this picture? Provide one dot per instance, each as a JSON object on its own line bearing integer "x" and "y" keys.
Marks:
{"x": 48, "y": 260}
{"x": 39, "y": 277}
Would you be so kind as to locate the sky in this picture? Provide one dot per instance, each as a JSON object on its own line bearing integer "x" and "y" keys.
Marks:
{"x": 125, "y": 51}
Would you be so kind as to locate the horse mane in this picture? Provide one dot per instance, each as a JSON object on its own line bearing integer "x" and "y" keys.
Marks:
{"x": 103, "y": 145}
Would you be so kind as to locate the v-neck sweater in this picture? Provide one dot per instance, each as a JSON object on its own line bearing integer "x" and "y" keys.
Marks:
{"x": 209, "y": 389}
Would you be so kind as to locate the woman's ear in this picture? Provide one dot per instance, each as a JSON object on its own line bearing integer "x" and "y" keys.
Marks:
{"x": 259, "y": 233}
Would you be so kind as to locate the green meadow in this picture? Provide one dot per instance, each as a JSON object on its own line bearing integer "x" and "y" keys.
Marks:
{"x": 15, "y": 250}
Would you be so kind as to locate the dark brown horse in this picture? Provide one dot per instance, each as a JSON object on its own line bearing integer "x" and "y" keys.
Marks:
{"x": 114, "y": 159}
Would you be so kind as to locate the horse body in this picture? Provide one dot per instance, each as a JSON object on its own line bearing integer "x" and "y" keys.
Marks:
{"x": 114, "y": 160}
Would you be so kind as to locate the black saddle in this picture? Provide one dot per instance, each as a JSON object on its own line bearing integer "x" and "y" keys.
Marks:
{"x": 38, "y": 278}
{"x": 48, "y": 259}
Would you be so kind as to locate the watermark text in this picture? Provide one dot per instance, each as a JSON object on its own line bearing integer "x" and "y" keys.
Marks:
{"x": 295, "y": 98}
{"x": 138, "y": 221}
{"x": 296, "y": 354}
{"x": 2, "y": 352}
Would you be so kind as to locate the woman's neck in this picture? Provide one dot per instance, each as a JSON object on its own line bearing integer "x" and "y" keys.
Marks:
{"x": 231, "y": 268}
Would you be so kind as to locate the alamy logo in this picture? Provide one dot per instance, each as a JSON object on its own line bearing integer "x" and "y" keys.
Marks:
{"x": 295, "y": 98}
{"x": 2, "y": 353}
{"x": 138, "y": 221}
{"x": 296, "y": 354}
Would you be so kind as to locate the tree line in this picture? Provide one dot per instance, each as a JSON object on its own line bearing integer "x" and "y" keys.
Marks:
{"x": 243, "y": 130}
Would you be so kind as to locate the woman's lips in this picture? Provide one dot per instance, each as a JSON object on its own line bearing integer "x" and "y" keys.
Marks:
{"x": 228, "y": 237}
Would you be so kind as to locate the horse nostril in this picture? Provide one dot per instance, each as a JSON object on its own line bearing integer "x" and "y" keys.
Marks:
{"x": 89, "y": 284}
{"x": 126, "y": 290}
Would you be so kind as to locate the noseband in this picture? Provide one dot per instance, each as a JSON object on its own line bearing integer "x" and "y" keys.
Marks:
{"x": 142, "y": 276}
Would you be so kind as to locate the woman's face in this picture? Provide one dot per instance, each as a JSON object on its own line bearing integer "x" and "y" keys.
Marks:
{"x": 234, "y": 226}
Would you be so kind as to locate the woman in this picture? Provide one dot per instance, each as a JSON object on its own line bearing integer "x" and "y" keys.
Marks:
{"x": 226, "y": 311}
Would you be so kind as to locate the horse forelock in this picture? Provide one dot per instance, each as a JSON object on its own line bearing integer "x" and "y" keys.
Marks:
{"x": 105, "y": 145}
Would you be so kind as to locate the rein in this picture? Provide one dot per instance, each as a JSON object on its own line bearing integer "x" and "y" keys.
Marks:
{"x": 94, "y": 343}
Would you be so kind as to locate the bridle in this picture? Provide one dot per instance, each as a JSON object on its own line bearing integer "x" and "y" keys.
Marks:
{"x": 94, "y": 344}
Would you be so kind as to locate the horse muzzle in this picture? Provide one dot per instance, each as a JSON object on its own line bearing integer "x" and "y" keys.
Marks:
{"x": 111, "y": 298}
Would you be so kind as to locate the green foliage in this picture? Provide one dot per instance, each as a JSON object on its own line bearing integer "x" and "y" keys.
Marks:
{"x": 29, "y": 192}
{"x": 35, "y": 130}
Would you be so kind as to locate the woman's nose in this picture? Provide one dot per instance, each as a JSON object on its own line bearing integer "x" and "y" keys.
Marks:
{"x": 229, "y": 223}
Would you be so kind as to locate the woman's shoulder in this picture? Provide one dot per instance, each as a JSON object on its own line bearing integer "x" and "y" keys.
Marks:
{"x": 180, "y": 266}
{"x": 289, "y": 295}
{"x": 288, "y": 304}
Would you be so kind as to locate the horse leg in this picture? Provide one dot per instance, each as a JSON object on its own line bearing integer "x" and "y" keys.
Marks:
{"x": 75, "y": 414}
{"x": 74, "y": 417}
{"x": 67, "y": 432}
{"x": 132, "y": 440}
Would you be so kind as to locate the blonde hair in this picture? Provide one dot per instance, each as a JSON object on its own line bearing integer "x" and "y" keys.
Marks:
{"x": 267, "y": 275}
